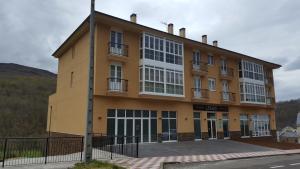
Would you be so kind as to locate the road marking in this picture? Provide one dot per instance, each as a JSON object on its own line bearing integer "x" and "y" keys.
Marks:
{"x": 295, "y": 164}
{"x": 277, "y": 166}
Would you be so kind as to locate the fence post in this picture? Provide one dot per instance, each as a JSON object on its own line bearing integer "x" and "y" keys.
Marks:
{"x": 122, "y": 146}
{"x": 137, "y": 146}
{"x": 81, "y": 149}
{"x": 46, "y": 149}
{"x": 111, "y": 147}
{"x": 4, "y": 151}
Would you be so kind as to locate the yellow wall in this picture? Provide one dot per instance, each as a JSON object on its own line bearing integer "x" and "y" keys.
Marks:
{"x": 69, "y": 103}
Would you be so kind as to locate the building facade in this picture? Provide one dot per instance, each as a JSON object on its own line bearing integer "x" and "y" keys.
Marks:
{"x": 160, "y": 86}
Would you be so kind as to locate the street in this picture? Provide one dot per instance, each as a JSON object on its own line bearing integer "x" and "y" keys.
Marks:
{"x": 280, "y": 162}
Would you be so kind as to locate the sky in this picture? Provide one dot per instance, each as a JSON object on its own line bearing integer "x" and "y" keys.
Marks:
{"x": 31, "y": 30}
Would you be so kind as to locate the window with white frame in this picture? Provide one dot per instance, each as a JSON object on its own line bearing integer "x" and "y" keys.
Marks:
{"x": 154, "y": 48}
{"x": 253, "y": 93}
{"x": 251, "y": 70}
{"x": 174, "y": 82}
{"x": 161, "y": 66}
{"x": 261, "y": 125}
{"x": 212, "y": 84}
{"x": 210, "y": 59}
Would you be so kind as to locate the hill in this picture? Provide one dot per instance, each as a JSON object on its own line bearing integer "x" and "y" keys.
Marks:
{"x": 286, "y": 113}
{"x": 24, "y": 95}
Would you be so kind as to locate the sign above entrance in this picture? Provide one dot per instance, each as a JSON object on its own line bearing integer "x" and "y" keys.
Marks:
{"x": 205, "y": 107}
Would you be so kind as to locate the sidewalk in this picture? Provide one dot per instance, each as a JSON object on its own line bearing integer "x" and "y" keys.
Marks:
{"x": 156, "y": 162}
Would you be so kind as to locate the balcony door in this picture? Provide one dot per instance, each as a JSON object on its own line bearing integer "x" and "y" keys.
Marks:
{"x": 116, "y": 41}
{"x": 197, "y": 86}
{"x": 115, "y": 81}
{"x": 224, "y": 66}
{"x": 225, "y": 89}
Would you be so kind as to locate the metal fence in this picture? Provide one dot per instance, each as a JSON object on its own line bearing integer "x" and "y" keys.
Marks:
{"x": 39, "y": 150}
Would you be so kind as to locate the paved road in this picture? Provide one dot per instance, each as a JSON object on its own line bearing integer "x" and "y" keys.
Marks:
{"x": 274, "y": 162}
{"x": 197, "y": 148}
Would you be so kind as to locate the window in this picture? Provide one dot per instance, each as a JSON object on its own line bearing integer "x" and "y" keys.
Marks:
{"x": 251, "y": 70}
{"x": 161, "y": 49}
{"x": 212, "y": 84}
{"x": 140, "y": 123}
{"x": 116, "y": 40}
{"x": 261, "y": 125}
{"x": 154, "y": 79}
{"x": 161, "y": 67}
{"x": 196, "y": 58}
{"x": 251, "y": 92}
{"x": 72, "y": 78}
{"x": 174, "y": 82}
{"x": 210, "y": 59}
{"x": 244, "y": 126}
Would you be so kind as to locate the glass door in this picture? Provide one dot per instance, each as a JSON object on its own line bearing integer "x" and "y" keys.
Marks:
{"x": 225, "y": 89}
{"x": 169, "y": 126}
{"x": 116, "y": 40}
{"x": 225, "y": 125}
{"x": 197, "y": 126}
{"x": 115, "y": 83}
{"x": 196, "y": 60}
{"x": 244, "y": 126}
{"x": 211, "y": 125}
{"x": 223, "y": 66}
{"x": 197, "y": 85}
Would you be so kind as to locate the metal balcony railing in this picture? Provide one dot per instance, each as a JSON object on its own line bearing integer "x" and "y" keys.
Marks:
{"x": 226, "y": 73}
{"x": 117, "y": 49}
{"x": 199, "y": 67}
{"x": 200, "y": 93}
{"x": 227, "y": 97}
{"x": 117, "y": 85}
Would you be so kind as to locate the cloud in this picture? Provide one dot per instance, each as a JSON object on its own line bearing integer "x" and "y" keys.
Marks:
{"x": 31, "y": 30}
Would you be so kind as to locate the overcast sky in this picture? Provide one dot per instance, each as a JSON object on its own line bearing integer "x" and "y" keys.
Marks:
{"x": 31, "y": 30}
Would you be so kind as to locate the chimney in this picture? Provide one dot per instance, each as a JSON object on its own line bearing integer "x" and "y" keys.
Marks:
{"x": 204, "y": 39}
{"x": 215, "y": 43}
{"x": 133, "y": 18}
{"x": 182, "y": 32}
{"x": 170, "y": 28}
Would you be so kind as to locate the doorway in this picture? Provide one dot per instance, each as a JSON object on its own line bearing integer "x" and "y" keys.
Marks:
{"x": 225, "y": 125}
{"x": 169, "y": 129}
{"x": 211, "y": 125}
{"x": 197, "y": 126}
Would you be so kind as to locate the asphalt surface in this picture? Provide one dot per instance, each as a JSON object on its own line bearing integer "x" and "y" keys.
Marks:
{"x": 197, "y": 148}
{"x": 273, "y": 162}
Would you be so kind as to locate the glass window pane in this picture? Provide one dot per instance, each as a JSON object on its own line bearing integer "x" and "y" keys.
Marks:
{"x": 153, "y": 130}
{"x": 129, "y": 113}
{"x": 137, "y": 113}
{"x": 145, "y": 113}
{"x": 111, "y": 112}
{"x": 165, "y": 114}
{"x": 110, "y": 127}
{"x": 153, "y": 114}
{"x": 121, "y": 113}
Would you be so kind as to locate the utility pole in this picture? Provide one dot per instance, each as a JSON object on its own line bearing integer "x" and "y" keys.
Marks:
{"x": 88, "y": 148}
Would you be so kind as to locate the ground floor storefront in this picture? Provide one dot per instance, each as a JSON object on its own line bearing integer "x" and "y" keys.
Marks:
{"x": 171, "y": 121}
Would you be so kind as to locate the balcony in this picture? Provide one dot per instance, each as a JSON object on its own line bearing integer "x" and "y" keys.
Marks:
{"x": 199, "y": 94}
{"x": 270, "y": 100}
{"x": 227, "y": 97}
{"x": 117, "y": 52}
{"x": 227, "y": 74}
{"x": 117, "y": 86}
{"x": 199, "y": 69}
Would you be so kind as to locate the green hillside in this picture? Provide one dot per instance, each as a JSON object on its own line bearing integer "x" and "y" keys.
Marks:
{"x": 286, "y": 113}
{"x": 24, "y": 95}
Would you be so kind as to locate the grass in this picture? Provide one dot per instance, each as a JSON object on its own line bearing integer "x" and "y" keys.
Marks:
{"x": 27, "y": 154}
{"x": 96, "y": 165}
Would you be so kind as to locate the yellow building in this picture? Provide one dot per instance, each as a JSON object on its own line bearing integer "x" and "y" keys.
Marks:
{"x": 160, "y": 86}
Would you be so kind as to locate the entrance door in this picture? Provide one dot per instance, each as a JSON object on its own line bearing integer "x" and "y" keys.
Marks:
{"x": 115, "y": 82}
{"x": 211, "y": 125}
{"x": 225, "y": 125}
{"x": 225, "y": 89}
{"x": 244, "y": 126}
{"x": 169, "y": 129}
{"x": 197, "y": 125}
